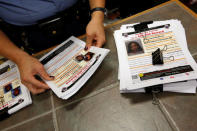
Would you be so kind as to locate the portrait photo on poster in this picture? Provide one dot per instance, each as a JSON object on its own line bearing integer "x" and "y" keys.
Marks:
{"x": 134, "y": 47}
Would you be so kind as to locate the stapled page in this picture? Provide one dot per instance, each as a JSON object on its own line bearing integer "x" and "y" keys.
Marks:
{"x": 140, "y": 62}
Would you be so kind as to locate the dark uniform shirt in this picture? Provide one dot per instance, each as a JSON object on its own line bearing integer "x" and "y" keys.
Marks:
{"x": 27, "y": 12}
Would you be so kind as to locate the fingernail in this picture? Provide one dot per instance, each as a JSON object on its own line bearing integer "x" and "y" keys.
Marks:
{"x": 52, "y": 77}
{"x": 86, "y": 48}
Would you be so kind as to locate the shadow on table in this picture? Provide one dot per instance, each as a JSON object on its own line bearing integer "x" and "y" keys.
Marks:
{"x": 173, "y": 94}
{"x": 136, "y": 98}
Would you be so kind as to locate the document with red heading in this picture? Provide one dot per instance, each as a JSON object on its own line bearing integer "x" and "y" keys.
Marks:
{"x": 136, "y": 69}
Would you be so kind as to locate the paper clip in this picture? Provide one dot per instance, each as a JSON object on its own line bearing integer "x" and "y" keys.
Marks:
{"x": 157, "y": 57}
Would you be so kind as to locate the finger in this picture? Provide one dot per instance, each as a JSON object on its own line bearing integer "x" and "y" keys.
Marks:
{"x": 38, "y": 91}
{"x": 34, "y": 90}
{"x": 37, "y": 83}
{"x": 86, "y": 48}
{"x": 89, "y": 41}
{"x": 100, "y": 42}
{"x": 45, "y": 75}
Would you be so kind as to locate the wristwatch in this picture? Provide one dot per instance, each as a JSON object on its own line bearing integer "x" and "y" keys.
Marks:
{"x": 104, "y": 10}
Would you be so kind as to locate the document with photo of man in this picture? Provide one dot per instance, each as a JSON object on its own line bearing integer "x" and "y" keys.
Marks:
{"x": 136, "y": 61}
{"x": 71, "y": 66}
{"x": 13, "y": 94}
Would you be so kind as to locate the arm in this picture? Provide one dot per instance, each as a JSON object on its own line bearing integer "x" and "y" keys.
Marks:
{"x": 95, "y": 29}
{"x": 28, "y": 66}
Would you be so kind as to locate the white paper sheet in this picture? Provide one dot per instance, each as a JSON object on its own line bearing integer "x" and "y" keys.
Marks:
{"x": 11, "y": 89}
{"x": 178, "y": 30}
{"x": 71, "y": 74}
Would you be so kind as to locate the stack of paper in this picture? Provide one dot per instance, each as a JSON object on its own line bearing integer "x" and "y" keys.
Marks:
{"x": 71, "y": 66}
{"x": 69, "y": 63}
{"x": 137, "y": 70}
{"x": 13, "y": 94}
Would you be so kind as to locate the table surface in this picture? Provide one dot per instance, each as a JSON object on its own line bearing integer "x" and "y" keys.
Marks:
{"x": 99, "y": 106}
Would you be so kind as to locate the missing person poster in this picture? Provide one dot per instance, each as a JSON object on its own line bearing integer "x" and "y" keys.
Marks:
{"x": 71, "y": 66}
{"x": 135, "y": 50}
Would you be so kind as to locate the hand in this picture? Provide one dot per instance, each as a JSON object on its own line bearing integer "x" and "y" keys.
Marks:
{"x": 29, "y": 67}
{"x": 95, "y": 33}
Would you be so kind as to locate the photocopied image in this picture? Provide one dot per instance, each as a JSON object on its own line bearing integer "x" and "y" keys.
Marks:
{"x": 88, "y": 56}
{"x": 71, "y": 66}
{"x": 134, "y": 47}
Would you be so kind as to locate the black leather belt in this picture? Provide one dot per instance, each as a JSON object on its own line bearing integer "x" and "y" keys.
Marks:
{"x": 49, "y": 31}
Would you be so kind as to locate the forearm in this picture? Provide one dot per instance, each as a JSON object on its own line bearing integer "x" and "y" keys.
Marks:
{"x": 97, "y": 3}
{"x": 9, "y": 50}
{"x": 98, "y": 15}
